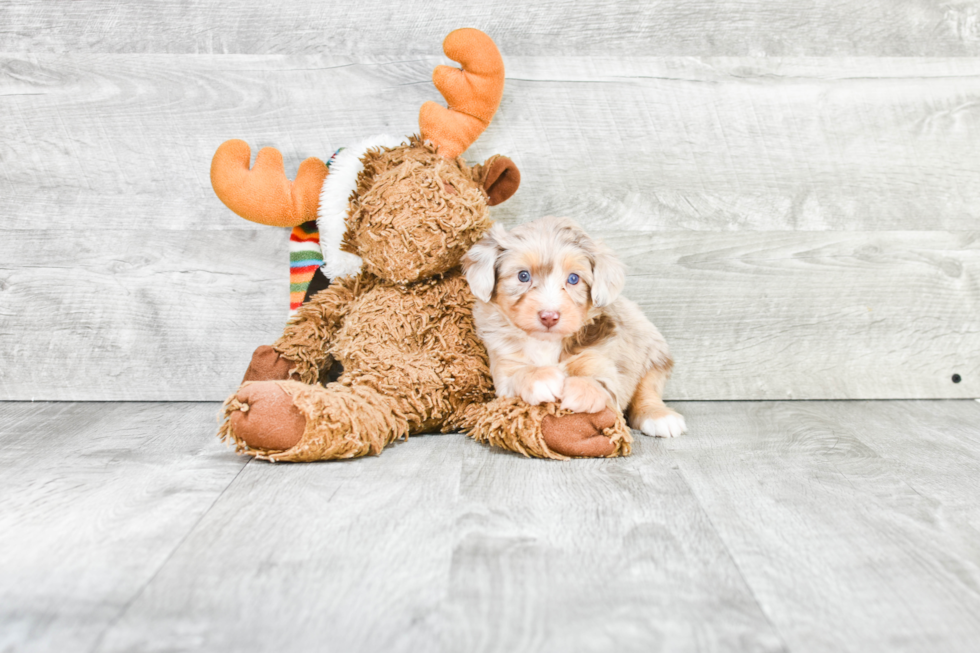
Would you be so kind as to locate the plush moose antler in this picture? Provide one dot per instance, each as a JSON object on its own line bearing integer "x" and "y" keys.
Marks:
{"x": 264, "y": 194}
{"x": 473, "y": 92}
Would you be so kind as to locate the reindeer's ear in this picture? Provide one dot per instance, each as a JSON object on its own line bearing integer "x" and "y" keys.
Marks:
{"x": 480, "y": 263}
{"x": 499, "y": 177}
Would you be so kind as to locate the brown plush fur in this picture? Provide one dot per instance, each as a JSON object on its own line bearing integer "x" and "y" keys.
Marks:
{"x": 395, "y": 189}
{"x": 403, "y": 331}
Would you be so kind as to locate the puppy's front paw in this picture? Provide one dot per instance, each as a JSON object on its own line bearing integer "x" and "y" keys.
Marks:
{"x": 666, "y": 424}
{"x": 583, "y": 395}
{"x": 543, "y": 385}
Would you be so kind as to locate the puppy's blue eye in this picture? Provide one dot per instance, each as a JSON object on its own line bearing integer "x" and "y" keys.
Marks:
{"x": 523, "y": 276}
{"x": 573, "y": 278}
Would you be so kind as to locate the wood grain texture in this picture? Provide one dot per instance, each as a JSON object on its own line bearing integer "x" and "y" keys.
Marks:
{"x": 804, "y": 315}
{"x": 723, "y": 144}
{"x": 441, "y": 544}
{"x": 137, "y": 314}
{"x": 347, "y": 556}
{"x": 934, "y": 447}
{"x": 706, "y": 163}
{"x": 773, "y": 526}
{"x": 597, "y": 555}
{"x": 843, "y": 547}
{"x": 812, "y": 315}
{"x": 653, "y": 27}
{"x": 96, "y": 497}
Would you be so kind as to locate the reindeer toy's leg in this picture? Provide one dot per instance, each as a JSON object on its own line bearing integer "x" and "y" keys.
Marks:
{"x": 279, "y": 412}
{"x": 293, "y": 421}
{"x": 546, "y": 431}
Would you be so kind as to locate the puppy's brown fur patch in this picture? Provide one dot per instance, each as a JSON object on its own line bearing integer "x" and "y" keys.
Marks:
{"x": 599, "y": 330}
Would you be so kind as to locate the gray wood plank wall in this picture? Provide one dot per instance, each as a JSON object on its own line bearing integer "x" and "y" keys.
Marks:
{"x": 795, "y": 187}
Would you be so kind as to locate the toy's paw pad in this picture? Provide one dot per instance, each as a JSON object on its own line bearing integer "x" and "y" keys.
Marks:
{"x": 543, "y": 386}
{"x": 268, "y": 419}
{"x": 267, "y": 365}
{"x": 668, "y": 425}
{"x": 580, "y": 434}
{"x": 582, "y": 395}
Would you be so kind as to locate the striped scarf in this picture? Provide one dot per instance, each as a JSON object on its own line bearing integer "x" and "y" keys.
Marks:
{"x": 304, "y": 257}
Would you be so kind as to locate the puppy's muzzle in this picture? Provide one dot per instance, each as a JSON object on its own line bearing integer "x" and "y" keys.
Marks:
{"x": 549, "y": 318}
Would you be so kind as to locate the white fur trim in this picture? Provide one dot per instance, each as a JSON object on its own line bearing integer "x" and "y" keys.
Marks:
{"x": 331, "y": 216}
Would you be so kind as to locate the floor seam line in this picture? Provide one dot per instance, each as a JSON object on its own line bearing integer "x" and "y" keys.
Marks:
{"x": 728, "y": 552}
{"x": 125, "y": 608}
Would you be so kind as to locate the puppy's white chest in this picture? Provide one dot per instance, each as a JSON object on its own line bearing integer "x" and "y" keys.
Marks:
{"x": 542, "y": 353}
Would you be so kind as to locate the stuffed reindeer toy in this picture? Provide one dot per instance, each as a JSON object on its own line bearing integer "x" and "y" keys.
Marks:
{"x": 394, "y": 218}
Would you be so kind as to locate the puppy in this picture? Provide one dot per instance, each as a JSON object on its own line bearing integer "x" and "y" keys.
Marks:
{"x": 548, "y": 309}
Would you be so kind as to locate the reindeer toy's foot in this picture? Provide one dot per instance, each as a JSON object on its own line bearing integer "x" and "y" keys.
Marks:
{"x": 261, "y": 417}
{"x": 584, "y": 435}
{"x": 292, "y": 421}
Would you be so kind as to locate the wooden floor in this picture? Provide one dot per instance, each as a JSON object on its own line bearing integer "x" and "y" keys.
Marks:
{"x": 796, "y": 526}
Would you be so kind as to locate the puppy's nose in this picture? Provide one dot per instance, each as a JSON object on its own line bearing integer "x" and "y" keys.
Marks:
{"x": 549, "y": 318}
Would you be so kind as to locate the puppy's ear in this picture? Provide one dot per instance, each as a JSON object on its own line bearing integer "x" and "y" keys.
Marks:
{"x": 480, "y": 263}
{"x": 608, "y": 275}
